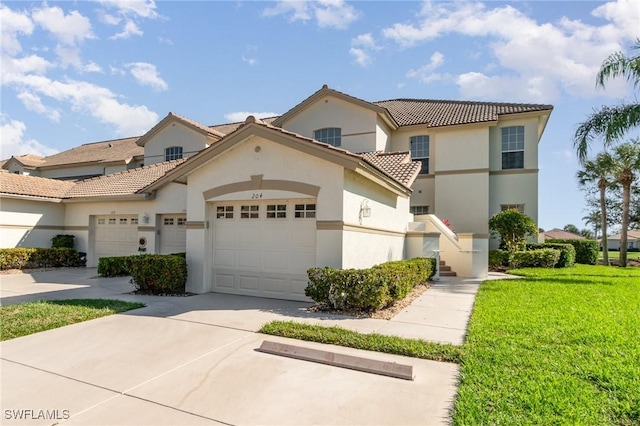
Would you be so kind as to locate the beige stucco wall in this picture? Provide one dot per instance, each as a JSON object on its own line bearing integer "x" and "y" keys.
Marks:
{"x": 274, "y": 162}
{"x": 359, "y": 125}
{"x": 531, "y": 125}
{"x": 463, "y": 200}
{"x": 424, "y": 193}
{"x": 28, "y": 223}
{"x": 174, "y": 134}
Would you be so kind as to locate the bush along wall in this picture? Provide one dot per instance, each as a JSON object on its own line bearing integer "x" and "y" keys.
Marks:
{"x": 158, "y": 274}
{"x": 587, "y": 251}
{"x": 21, "y": 258}
{"x": 567, "y": 253}
{"x": 545, "y": 257}
{"x": 367, "y": 289}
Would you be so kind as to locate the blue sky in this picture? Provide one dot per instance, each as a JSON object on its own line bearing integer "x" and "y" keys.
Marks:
{"x": 82, "y": 71}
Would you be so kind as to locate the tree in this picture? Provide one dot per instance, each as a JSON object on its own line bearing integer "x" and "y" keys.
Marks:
{"x": 572, "y": 228}
{"x": 594, "y": 219}
{"x": 587, "y": 234}
{"x": 600, "y": 171}
{"x": 626, "y": 160}
{"x": 513, "y": 228}
{"x": 611, "y": 122}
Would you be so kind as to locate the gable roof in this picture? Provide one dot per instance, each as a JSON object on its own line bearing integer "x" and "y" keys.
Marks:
{"x": 561, "y": 234}
{"x": 437, "y": 113}
{"x": 33, "y": 186}
{"x": 122, "y": 183}
{"x": 632, "y": 235}
{"x": 111, "y": 151}
{"x": 27, "y": 160}
{"x": 232, "y": 127}
{"x": 175, "y": 118}
{"x": 396, "y": 169}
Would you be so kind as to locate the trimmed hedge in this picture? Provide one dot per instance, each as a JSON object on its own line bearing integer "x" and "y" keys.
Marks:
{"x": 367, "y": 289}
{"x": 20, "y": 258}
{"x": 540, "y": 258}
{"x": 63, "y": 241}
{"x": 150, "y": 273}
{"x": 587, "y": 251}
{"x": 158, "y": 274}
{"x": 567, "y": 253}
{"x": 499, "y": 260}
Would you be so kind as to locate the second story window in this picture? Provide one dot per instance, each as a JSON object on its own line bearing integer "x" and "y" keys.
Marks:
{"x": 513, "y": 147}
{"x": 420, "y": 151}
{"x": 330, "y": 135}
{"x": 173, "y": 153}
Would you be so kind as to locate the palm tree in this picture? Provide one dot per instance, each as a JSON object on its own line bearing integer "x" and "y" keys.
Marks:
{"x": 611, "y": 122}
{"x": 593, "y": 218}
{"x": 599, "y": 171}
{"x": 626, "y": 160}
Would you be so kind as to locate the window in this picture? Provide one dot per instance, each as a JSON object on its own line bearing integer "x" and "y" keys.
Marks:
{"x": 134, "y": 220}
{"x": 112, "y": 221}
{"x": 330, "y": 135}
{"x": 276, "y": 211}
{"x": 517, "y": 207}
{"x": 168, "y": 221}
{"x": 173, "y": 153}
{"x": 123, "y": 221}
{"x": 224, "y": 212}
{"x": 305, "y": 210}
{"x": 101, "y": 221}
{"x": 513, "y": 147}
{"x": 182, "y": 221}
{"x": 418, "y": 210}
{"x": 249, "y": 212}
{"x": 420, "y": 151}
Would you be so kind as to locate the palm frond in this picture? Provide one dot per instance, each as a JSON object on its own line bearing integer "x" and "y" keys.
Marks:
{"x": 619, "y": 65}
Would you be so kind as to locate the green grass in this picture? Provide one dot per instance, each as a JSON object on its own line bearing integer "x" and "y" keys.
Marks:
{"x": 616, "y": 255}
{"x": 33, "y": 317}
{"x": 560, "y": 346}
{"x": 371, "y": 342}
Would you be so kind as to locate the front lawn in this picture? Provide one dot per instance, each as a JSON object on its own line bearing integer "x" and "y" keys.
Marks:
{"x": 33, "y": 317}
{"x": 561, "y": 346}
{"x": 616, "y": 255}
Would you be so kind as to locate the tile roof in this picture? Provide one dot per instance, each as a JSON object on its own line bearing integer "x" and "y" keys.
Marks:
{"x": 208, "y": 129}
{"x": 396, "y": 164}
{"x": 561, "y": 234}
{"x": 232, "y": 127}
{"x": 632, "y": 235}
{"x": 436, "y": 113}
{"x": 112, "y": 151}
{"x": 30, "y": 160}
{"x": 122, "y": 183}
{"x": 18, "y": 184}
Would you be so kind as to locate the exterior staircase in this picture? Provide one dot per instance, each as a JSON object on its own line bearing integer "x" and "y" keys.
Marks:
{"x": 445, "y": 271}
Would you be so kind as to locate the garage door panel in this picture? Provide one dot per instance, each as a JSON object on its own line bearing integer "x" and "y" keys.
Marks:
{"x": 115, "y": 235}
{"x": 249, "y": 282}
{"x": 248, "y": 259}
{"x": 225, "y": 258}
{"x": 223, "y": 280}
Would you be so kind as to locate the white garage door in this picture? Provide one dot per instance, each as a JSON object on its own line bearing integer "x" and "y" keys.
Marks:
{"x": 264, "y": 248}
{"x": 173, "y": 234}
{"x": 115, "y": 236}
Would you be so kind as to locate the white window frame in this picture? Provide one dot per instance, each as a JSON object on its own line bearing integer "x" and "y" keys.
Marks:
{"x": 173, "y": 153}
{"x": 329, "y": 135}
{"x": 304, "y": 210}
{"x": 276, "y": 211}
{"x": 419, "y": 210}
{"x": 512, "y": 145}
{"x": 250, "y": 211}
{"x": 419, "y": 146}
{"x": 224, "y": 212}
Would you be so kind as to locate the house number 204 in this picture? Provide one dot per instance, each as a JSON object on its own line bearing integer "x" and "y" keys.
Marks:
{"x": 256, "y": 196}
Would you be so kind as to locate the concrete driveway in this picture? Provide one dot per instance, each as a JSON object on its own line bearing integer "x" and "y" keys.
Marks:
{"x": 193, "y": 360}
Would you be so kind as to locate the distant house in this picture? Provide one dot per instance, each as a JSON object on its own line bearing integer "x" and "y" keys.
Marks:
{"x": 633, "y": 240}
{"x": 335, "y": 181}
{"x": 558, "y": 234}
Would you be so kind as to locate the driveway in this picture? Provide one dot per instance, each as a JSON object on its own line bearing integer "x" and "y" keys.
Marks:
{"x": 193, "y": 360}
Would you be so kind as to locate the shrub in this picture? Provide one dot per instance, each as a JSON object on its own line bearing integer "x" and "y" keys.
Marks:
{"x": 499, "y": 260}
{"x": 116, "y": 266}
{"x": 587, "y": 251}
{"x": 367, "y": 289}
{"x": 513, "y": 228}
{"x": 567, "y": 253}
{"x": 15, "y": 258}
{"x": 541, "y": 258}
{"x": 158, "y": 273}
{"x": 63, "y": 241}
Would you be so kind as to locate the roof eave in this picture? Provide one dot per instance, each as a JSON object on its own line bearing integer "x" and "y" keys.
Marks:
{"x": 376, "y": 175}
{"x": 121, "y": 197}
{"x": 31, "y": 197}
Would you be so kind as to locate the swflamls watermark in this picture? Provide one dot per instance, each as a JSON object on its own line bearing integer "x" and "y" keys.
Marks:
{"x": 32, "y": 414}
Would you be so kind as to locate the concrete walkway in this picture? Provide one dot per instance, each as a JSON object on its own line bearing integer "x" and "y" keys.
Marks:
{"x": 193, "y": 360}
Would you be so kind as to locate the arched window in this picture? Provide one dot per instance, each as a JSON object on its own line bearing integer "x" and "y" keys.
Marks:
{"x": 173, "y": 153}
{"x": 330, "y": 135}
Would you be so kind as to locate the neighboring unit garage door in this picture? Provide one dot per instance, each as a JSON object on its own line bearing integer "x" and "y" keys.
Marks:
{"x": 173, "y": 234}
{"x": 264, "y": 248}
{"x": 115, "y": 236}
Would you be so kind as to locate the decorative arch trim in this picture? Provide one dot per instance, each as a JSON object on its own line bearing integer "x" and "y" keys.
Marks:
{"x": 257, "y": 182}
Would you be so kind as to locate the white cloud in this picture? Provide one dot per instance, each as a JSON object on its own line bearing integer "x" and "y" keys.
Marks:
{"x": 92, "y": 67}
{"x": 542, "y": 59}
{"x": 514, "y": 88}
{"x": 425, "y": 73}
{"x": 242, "y": 115}
{"x": 13, "y": 23}
{"x": 28, "y": 64}
{"x": 327, "y": 13}
{"x": 250, "y": 61}
{"x": 108, "y": 19}
{"x": 361, "y": 47}
{"x": 33, "y": 102}
{"x": 69, "y": 29}
{"x": 147, "y": 75}
{"x": 165, "y": 40}
{"x": 361, "y": 57}
{"x": 130, "y": 29}
{"x": 140, "y": 8}
{"x": 13, "y": 140}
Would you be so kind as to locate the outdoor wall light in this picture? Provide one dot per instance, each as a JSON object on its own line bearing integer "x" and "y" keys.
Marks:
{"x": 145, "y": 218}
{"x": 365, "y": 210}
